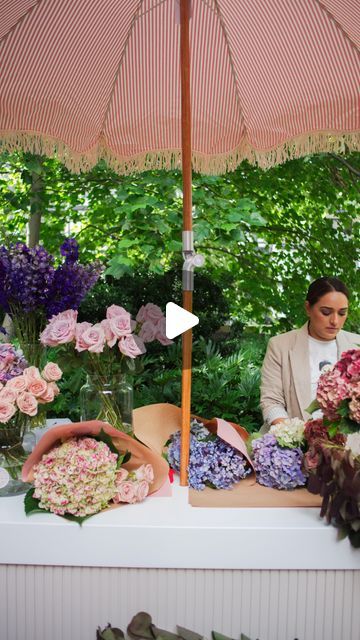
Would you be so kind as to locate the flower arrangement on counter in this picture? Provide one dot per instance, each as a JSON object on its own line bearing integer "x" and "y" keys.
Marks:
{"x": 213, "y": 462}
{"x": 333, "y": 457}
{"x": 105, "y": 350}
{"x": 80, "y": 469}
{"x": 32, "y": 289}
{"x": 22, "y": 398}
{"x": 82, "y": 476}
{"x": 338, "y": 394}
{"x": 278, "y": 456}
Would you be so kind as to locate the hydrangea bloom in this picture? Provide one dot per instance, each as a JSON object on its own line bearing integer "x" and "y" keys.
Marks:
{"x": 275, "y": 466}
{"x": 289, "y": 433}
{"x": 349, "y": 365}
{"x": 77, "y": 477}
{"x": 213, "y": 462}
{"x": 331, "y": 390}
{"x": 354, "y": 404}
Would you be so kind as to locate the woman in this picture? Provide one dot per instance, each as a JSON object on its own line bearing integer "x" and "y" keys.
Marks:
{"x": 294, "y": 360}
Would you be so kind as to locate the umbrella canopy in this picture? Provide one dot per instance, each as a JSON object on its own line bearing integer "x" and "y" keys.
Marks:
{"x": 113, "y": 79}
{"x": 91, "y": 80}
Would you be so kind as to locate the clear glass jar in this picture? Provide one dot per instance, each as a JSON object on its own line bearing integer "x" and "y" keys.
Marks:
{"x": 16, "y": 443}
{"x": 108, "y": 399}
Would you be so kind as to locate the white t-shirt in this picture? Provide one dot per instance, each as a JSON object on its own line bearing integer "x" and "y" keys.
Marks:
{"x": 321, "y": 353}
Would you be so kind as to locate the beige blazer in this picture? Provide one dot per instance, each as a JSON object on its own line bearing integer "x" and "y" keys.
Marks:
{"x": 285, "y": 380}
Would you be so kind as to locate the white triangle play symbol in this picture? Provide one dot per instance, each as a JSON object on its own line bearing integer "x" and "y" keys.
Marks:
{"x": 178, "y": 320}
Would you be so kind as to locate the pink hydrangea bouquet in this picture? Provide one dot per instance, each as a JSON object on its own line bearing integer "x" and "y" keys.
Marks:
{"x": 79, "y": 469}
{"x": 105, "y": 350}
{"x": 338, "y": 394}
{"x": 83, "y": 476}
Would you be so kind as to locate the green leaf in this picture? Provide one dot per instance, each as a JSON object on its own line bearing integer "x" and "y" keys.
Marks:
{"x": 186, "y": 634}
{"x": 125, "y": 457}
{"x": 219, "y": 636}
{"x": 31, "y": 504}
{"x": 109, "y": 633}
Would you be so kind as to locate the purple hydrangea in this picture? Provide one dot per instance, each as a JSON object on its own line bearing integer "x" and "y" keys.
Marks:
{"x": 277, "y": 467}
{"x": 213, "y": 462}
{"x": 29, "y": 282}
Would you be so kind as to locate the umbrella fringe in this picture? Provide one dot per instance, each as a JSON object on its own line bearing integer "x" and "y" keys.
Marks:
{"x": 317, "y": 142}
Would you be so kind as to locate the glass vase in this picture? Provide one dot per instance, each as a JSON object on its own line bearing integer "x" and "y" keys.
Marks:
{"x": 109, "y": 399}
{"x": 16, "y": 443}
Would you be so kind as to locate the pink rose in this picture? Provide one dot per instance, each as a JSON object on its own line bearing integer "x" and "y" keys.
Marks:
{"x": 8, "y": 395}
{"x": 149, "y": 312}
{"x": 131, "y": 346}
{"x": 114, "y": 310}
{"x": 122, "y": 325}
{"x": 161, "y": 332}
{"x": 54, "y": 387}
{"x": 60, "y": 330}
{"x": 142, "y": 490}
{"x": 48, "y": 395}
{"x": 18, "y": 384}
{"x": 31, "y": 374}
{"x": 80, "y": 329}
{"x": 148, "y": 331}
{"x": 110, "y": 337}
{"x": 27, "y": 403}
{"x": 7, "y": 410}
{"x": 145, "y": 472}
{"x": 126, "y": 492}
{"x": 93, "y": 339}
{"x": 121, "y": 475}
{"x": 51, "y": 372}
{"x": 37, "y": 387}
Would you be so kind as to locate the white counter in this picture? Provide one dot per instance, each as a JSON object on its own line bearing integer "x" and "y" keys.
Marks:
{"x": 169, "y": 533}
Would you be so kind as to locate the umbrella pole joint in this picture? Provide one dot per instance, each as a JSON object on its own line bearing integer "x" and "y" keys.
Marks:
{"x": 191, "y": 260}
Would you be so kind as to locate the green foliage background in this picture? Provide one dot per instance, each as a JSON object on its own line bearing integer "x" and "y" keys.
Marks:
{"x": 265, "y": 236}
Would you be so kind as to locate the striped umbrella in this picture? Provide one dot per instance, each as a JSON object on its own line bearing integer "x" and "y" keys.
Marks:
{"x": 268, "y": 81}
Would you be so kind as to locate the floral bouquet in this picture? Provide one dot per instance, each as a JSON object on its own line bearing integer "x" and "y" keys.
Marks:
{"x": 338, "y": 394}
{"x": 213, "y": 462}
{"x": 333, "y": 465}
{"x": 12, "y": 362}
{"x": 80, "y": 469}
{"x": 105, "y": 350}
{"x": 32, "y": 289}
{"x": 20, "y": 399}
{"x": 278, "y": 456}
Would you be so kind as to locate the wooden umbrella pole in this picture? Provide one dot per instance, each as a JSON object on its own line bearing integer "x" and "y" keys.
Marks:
{"x": 187, "y": 226}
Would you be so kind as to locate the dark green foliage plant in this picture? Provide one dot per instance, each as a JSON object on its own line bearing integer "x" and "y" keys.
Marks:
{"x": 222, "y": 386}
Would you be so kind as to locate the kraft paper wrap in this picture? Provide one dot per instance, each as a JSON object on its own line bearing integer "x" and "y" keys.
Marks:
{"x": 140, "y": 454}
{"x": 154, "y": 424}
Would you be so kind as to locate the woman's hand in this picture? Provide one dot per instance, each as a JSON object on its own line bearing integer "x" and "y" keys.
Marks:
{"x": 277, "y": 420}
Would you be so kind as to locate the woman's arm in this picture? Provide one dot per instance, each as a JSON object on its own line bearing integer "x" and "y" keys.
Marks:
{"x": 272, "y": 398}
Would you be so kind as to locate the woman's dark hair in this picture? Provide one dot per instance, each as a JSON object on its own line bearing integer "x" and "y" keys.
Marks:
{"x": 324, "y": 285}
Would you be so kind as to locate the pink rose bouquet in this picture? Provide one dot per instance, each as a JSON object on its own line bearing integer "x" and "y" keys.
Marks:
{"x": 105, "y": 350}
{"x": 338, "y": 394}
{"x": 21, "y": 398}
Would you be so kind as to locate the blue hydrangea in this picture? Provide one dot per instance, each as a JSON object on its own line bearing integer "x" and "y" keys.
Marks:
{"x": 212, "y": 462}
{"x": 277, "y": 467}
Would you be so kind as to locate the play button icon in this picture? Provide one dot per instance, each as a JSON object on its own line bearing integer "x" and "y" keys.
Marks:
{"x": 178, "y": 320}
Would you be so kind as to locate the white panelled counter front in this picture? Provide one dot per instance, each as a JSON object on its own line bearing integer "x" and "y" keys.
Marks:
{"x": 273, "y": 574}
